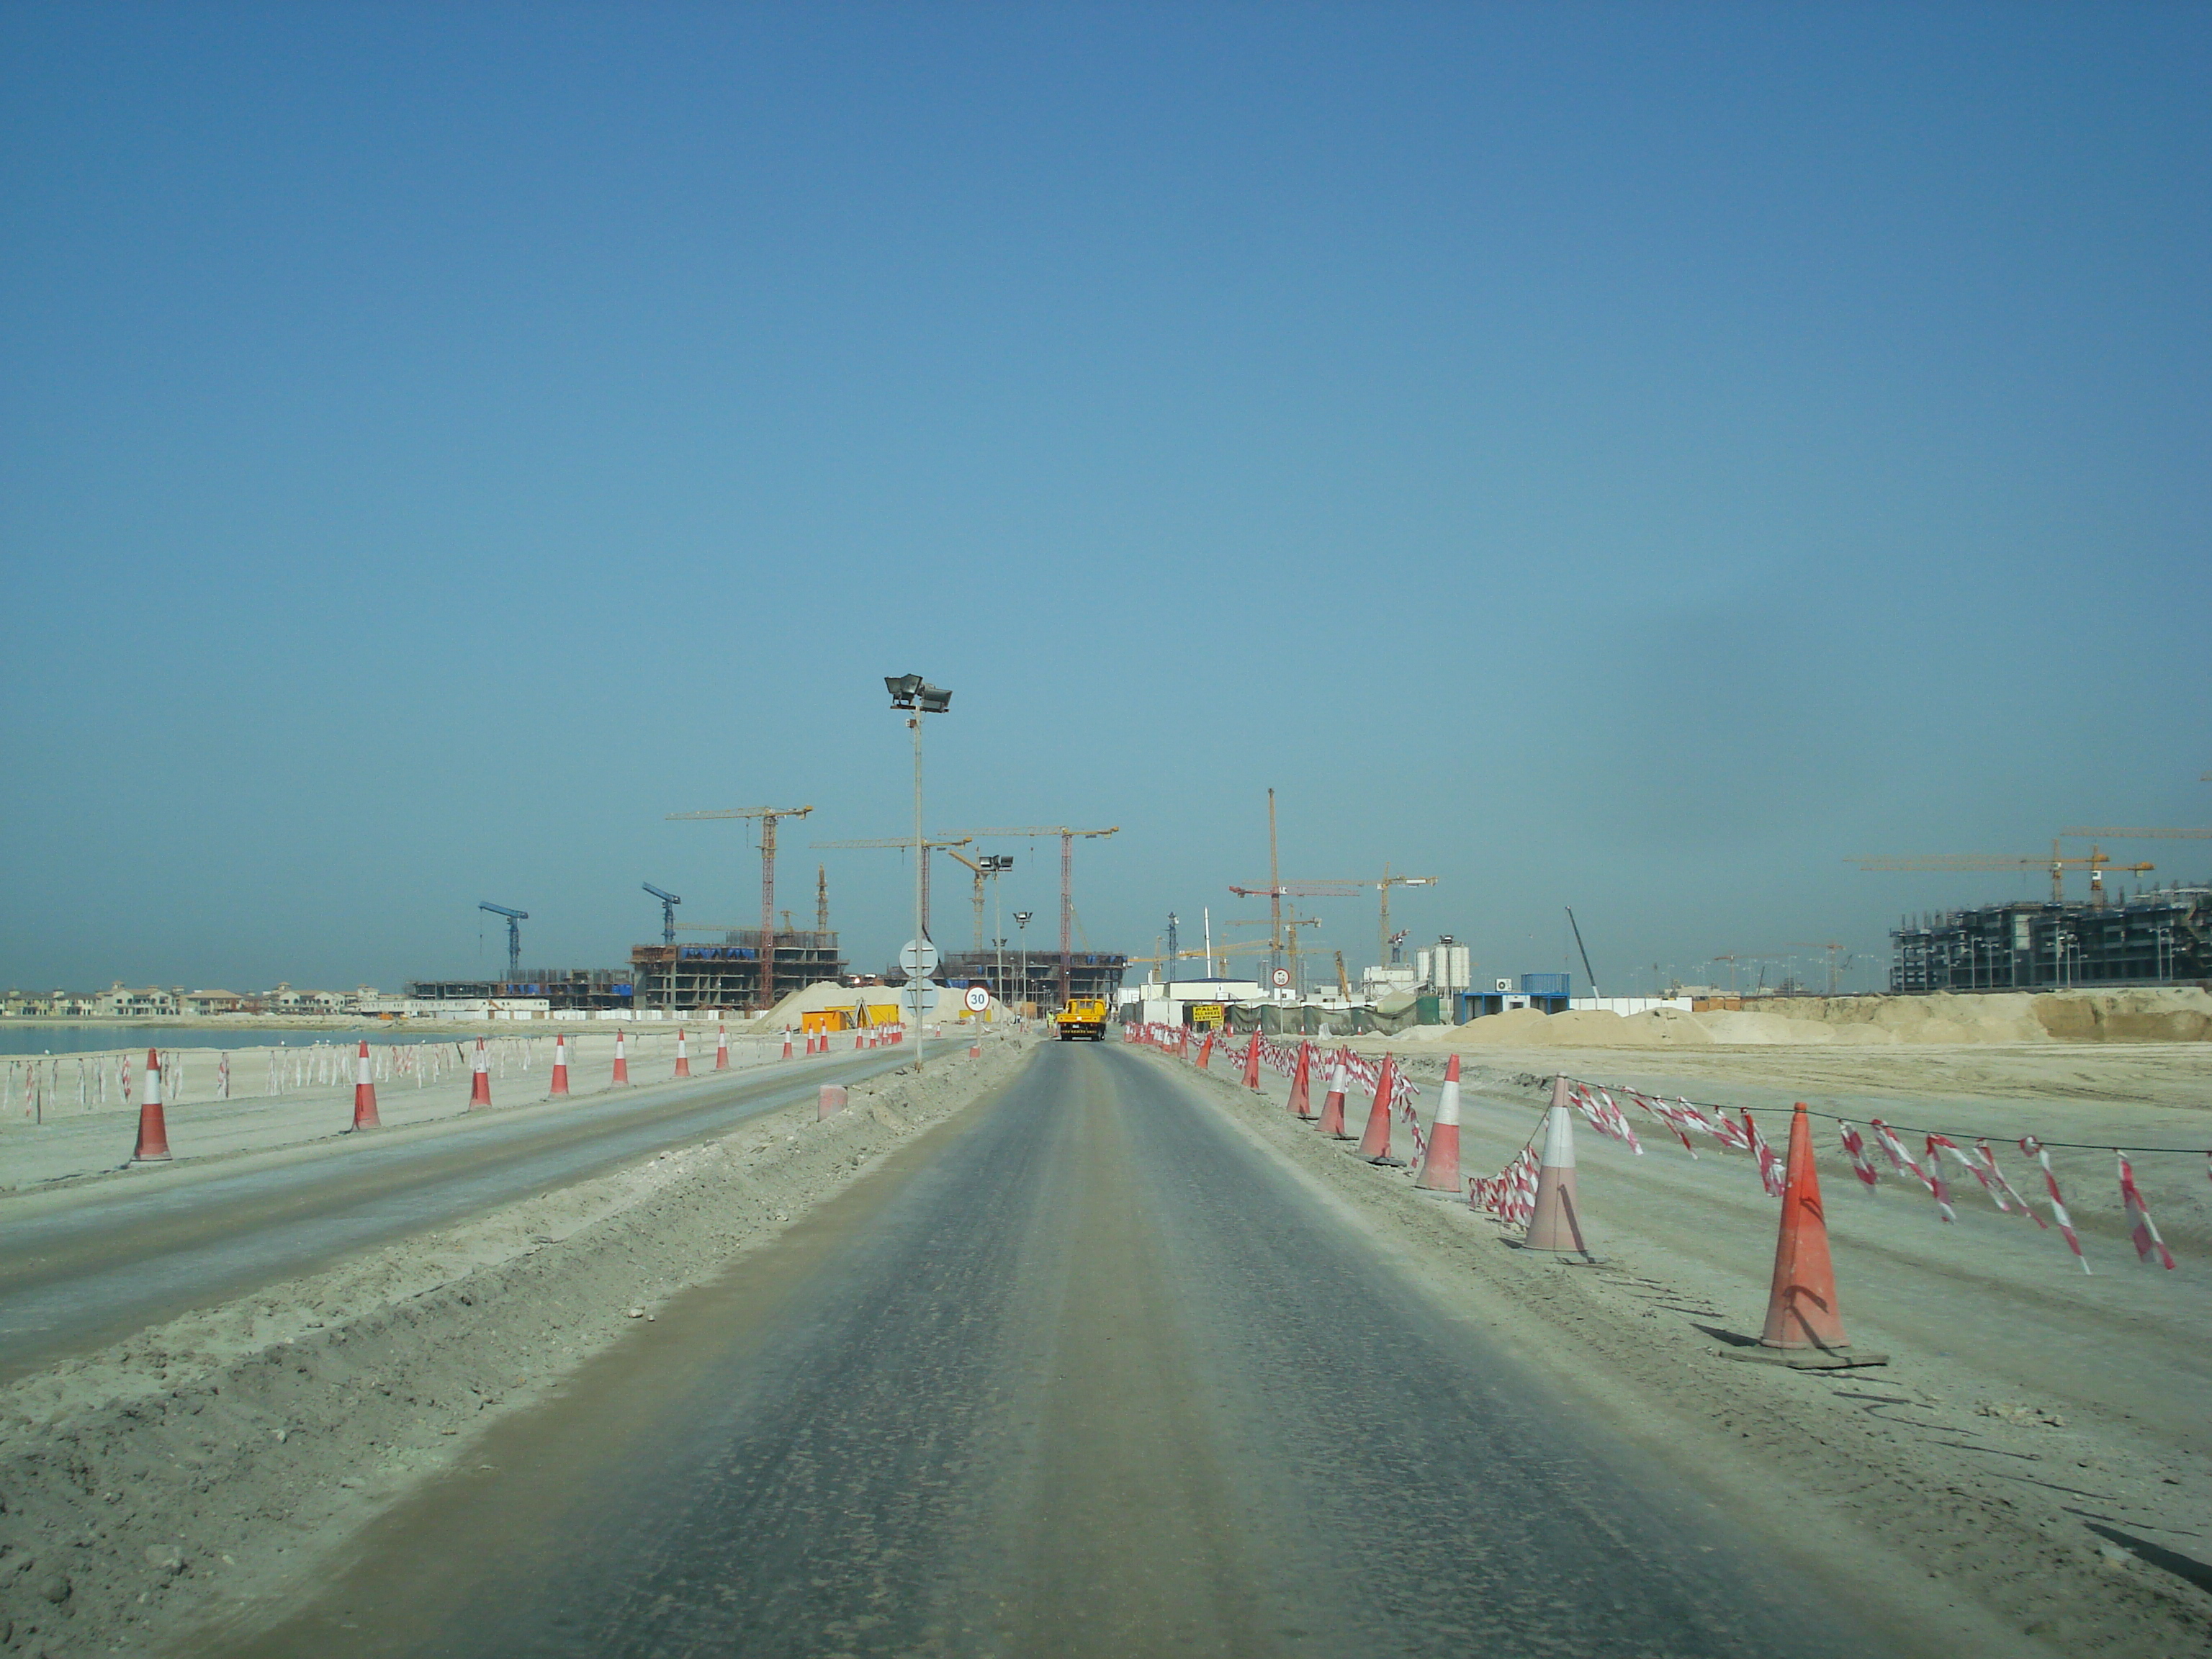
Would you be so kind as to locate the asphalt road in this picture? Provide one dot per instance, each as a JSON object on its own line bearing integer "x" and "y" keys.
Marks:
{"x": 1085, "y": 1373}
{"x": 85, "y": 1267}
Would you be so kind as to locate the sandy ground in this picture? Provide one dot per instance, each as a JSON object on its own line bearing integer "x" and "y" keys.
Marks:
{"x": 2041, "y": 1440}
{"x": 202, "y": 1464}
{"x": 416, "y": 1083}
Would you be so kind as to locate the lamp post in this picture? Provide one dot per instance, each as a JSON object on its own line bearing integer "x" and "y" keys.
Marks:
{"x": 1021, "y": 926}
{"x": 994, "y": 866}
{"x": 917, "y": 697}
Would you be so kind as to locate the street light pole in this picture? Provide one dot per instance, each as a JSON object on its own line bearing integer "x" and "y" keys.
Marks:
{"x": 1021, "y": 926}
{"x": 918, "y": 697}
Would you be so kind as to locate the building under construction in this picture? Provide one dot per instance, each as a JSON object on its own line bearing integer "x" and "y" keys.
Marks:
{"x": 728, "y": 974}
{"x": 597, "y": 989}
{"x": 1090, "y": 974}
{"x": 2160, "y": 937}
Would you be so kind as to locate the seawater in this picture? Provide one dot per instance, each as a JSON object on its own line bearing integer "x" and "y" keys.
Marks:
{"x": 93, "y": 1036}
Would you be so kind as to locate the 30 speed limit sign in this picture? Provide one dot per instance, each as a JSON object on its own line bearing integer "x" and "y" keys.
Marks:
{"x": 978, "y": 999}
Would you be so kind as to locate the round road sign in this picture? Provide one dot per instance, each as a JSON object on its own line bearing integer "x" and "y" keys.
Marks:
{"x": 1282, "y": 976}
{"x": 928, "y": 963}
{"x": 979, "y": 1000}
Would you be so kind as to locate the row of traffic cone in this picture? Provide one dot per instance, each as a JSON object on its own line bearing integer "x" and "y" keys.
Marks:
{"x": 1804, "y": 1326}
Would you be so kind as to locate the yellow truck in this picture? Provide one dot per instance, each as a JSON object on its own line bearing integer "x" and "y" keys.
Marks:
{"x": 1084, "y": 1020}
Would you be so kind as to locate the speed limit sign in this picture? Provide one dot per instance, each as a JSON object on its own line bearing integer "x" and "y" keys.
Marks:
{"x": 1281, "y": 976}
{"x": 978, "y": 999}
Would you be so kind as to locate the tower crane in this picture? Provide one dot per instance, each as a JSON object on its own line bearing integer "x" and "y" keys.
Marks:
{"x": 2096, "y": 863}
{"x": 514, "y": 920}
{"x": 904, "y": 843}
{"x": 1068, "y": 839}
{"x": 668, "y": 904}
{"x": 1835, "y": 949}
{"x": 767, "y": 817}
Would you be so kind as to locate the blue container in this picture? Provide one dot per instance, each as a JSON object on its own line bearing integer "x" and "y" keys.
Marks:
{"x": 1543, "y": 985}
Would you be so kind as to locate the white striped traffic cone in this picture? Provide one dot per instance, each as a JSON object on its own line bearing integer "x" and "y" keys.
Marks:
{"x": 721, "y": 1047}
{"x": 560, "y": 1066}
{"x": 1558, "y": 1223}
{"x": 682, "y": 1059}
{"x": 152, "y": 1128}
{"x": 622, "y": 1059}
{"x": 364, "y": 1093}
{"x": 480, "y": 1086}
{"x": 1440, "y": 1168}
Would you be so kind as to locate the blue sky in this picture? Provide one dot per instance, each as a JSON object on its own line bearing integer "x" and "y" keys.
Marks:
{"x": 1629, "y": 456}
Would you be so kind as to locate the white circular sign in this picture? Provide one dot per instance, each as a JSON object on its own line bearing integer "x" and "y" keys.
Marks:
{"x": 926, "y": 966}
{"x": 979, "y": 1000}
{"x": 918, "y": 997}
{"x": 1282, "y": 976}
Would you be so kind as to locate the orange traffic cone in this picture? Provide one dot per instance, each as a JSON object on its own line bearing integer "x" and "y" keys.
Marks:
{"x": 152, "y": 1128}
{"x": 1804, "y": 1327}
{"x": 1440, "y": 1168}
{"x": 1301, "y": 1083}
{"x": 1332, "y": 1105}
{"x": 1375, "y": 1145}
{"x": 683, "y": 1057}
{"x": 721, "y": 1047}
{"x": 622, "y": 1059}
{"x": 1252, "y": 1061}
{"x": 560, "y": 1066}
{"x": 480, "y": 1084}
{"x": 786, "y": 1042}
{"x": 364, "y": 1093}
{"x": 1556, "y": 1223}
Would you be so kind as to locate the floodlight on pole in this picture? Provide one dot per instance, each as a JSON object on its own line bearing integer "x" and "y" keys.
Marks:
{"x": 918, "y": 697}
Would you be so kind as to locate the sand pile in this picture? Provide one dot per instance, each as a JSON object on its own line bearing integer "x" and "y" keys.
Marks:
{"x": 1952, "y": 1020}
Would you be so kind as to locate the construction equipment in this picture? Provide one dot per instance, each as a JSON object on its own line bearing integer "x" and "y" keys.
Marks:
{"x": 905, "y": 844}
{"x": 514, "y": 920}
{"x": 1383, "y": 887}
{"x": 767, "y": 817}
{"x": 1067, "y": 880}
{"x": 1587, "y": 971}
{"x": 2096, "y": 863}
{"x": 1840, "y": 959}
{"x": 1287, "y": 926}
{"x": 668, "y": 904}
{"x": 1343, "y": 982}
{"x": 1277, "y": 891}
{"x": 1248, "y": 946}
{"x": 821, "y": 898}
{"x": 1082, "y": 1020}
{"x": 989, "y": 866}
{"x": 2142, "y": 834}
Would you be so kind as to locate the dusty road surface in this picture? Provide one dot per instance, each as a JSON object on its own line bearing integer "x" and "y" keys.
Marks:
{"x": 84, "y": 1265}
{"x": 1088, "y": 1370}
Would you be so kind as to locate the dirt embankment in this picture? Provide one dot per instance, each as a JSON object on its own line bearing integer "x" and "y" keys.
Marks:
{"x": 2177, "y": 1015}
{"x": 205, "y": 1463}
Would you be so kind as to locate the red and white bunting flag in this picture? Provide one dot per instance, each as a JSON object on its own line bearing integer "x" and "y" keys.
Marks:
{"x": 1950, "y": 1148}
{"x": 1667, "y": 1115}
{"x": 2141, "y": 1228}
{"x": 1939, "y": 1189}
{"x": 1720, "y": 1127}
{"x": 1854, "y": 1149}
{"x": 2033, "y": 1148}
{"x": 1894, "y": 1149}
{"x": 1771, "y": 1174}
{"x": 1989, "y": 1162}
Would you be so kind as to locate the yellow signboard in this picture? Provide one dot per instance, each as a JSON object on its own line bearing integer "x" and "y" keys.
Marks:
{"x": 1207, "y": 1016}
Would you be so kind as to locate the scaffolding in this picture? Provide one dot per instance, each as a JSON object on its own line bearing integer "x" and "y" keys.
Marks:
{"x": 591, "y": 988}
{"x": 2159, "y": 937}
